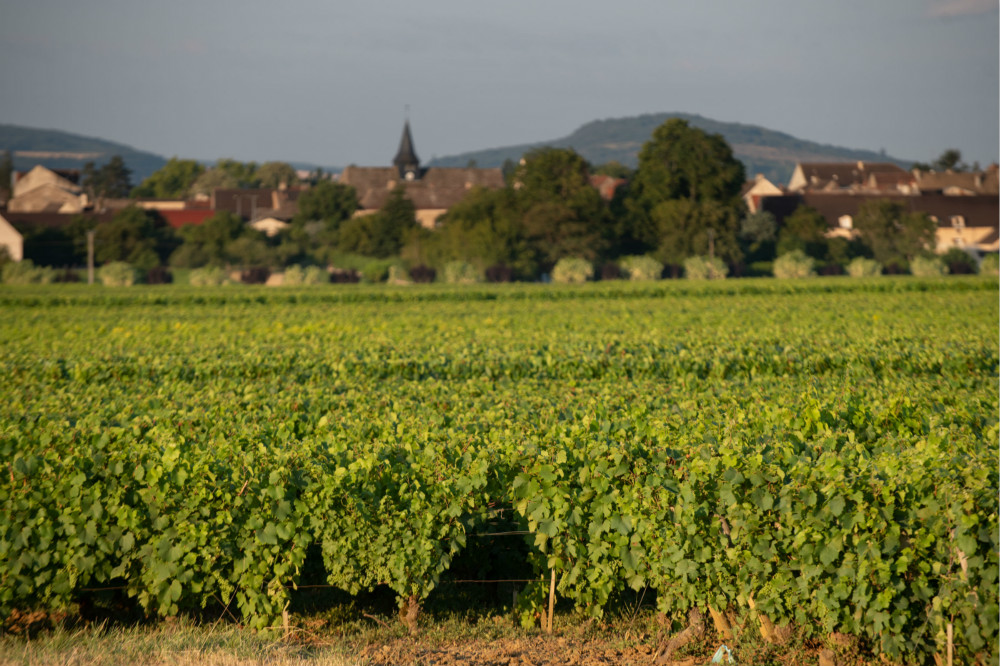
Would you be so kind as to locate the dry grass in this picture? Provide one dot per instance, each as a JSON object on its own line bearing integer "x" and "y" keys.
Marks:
{"x": 179, "y": 643}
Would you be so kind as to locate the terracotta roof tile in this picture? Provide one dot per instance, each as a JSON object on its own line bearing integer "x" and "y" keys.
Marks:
{"x": 437, "y": 188}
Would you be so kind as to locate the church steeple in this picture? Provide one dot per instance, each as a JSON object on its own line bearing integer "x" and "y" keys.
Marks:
{"x": 406, "y": 160}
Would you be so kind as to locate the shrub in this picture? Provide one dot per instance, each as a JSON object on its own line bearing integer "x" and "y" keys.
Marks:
{"x": 117, "y": 274}
{"x": 315, "y": 275}
{"x": 209, "y": 276}
{"x": 398, "y": 275}
{"x": 795, "y": 264}
{"x": 461, "y": 272}
{"x": 641, "y": 268}
{"x": 927, "y": 267}
{"x": 705, "y": 268}
{"x": 960, "y": 262}
{"x": 423, "y": 274}
{"x": 25, "y": 272}
{"x": 296, "y": 275}
{"x": 499, "y": 273}
{"x": 990, "y": 265}
{"x": 863, "y": 267}
{"x": 377, "y": 270}
{"x": 572, "y": 269}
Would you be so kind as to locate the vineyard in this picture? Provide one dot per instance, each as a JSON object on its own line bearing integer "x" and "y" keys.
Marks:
{"x": 820, "y": 456}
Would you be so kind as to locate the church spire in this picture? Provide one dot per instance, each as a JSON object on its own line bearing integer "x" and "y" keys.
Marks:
{"x": 406, "y": 160}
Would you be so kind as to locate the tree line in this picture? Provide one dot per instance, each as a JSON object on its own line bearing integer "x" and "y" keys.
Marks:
{"x": 681, "y": 202}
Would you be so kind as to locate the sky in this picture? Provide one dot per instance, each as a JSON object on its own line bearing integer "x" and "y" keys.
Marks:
{"x": 329, "y": 81}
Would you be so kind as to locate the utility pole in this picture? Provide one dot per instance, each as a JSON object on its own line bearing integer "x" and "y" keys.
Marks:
{"x": 90, "y": 256}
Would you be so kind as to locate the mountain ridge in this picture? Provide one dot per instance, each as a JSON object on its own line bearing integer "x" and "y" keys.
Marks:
{"x": 769, "y": 152}
{"x": 58, "y": 149}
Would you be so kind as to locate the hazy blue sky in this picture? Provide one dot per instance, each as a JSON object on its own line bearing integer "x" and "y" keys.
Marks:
{"x": 326, "y": 81}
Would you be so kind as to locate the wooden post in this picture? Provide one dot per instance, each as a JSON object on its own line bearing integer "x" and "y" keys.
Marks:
{"x": 552, "y": 600}
{"x": 721, "y": 624}
{"x": 90, "y": 256}
{"x": 951, "y": 644}
{"x": 284, "y": 622}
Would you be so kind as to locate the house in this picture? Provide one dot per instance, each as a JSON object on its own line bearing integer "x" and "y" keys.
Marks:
{"x": 965, "y": 183}
{"x": 39, "y": 175}
{"x": 891, "y": 182}
{"x": 606, "y": 186}
{"x": 754, "y": 190}
{"x": 11, "y": 240}
{"x": 178, "y": 218}
{"x": 837, "y": 176}
{"x": 270, "y": 226}
{"x": 43, "y": 190}
{"x": 433, "y": 190}
{"x": 967, "y": 222}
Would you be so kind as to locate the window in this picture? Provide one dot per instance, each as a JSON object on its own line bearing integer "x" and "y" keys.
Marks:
{"x": 958, "y": 221}
{"x": 845, "y": 222}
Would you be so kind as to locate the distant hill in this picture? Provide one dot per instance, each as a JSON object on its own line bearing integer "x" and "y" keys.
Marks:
{"x": 62, "y": 150}
{"x": 761, "y": 150}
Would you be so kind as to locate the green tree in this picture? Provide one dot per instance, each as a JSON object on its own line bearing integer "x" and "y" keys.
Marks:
{"x": 615, "y": 169}
{"x": 172, "y": 181}
{"x": 758, "y": 235}
{"x": 6, "y": 175}
{"x": 327, "y": 202}
{"x": 384, "y": 233}
{"x": 484, "y": 229}
{"x": 245, "y": 173}
{"x": 949, "y": 160}
{"x": 563, "y": 213}
{"x": 684, "y": 196}
{"x": 507, "y": 169}
{"x": 249, "y": 250}
{"x": 212, "y": 179}
{"x": 208, "y": 243}
{"x": 111, "y": 181}
{"x": 686, "y": 228}
{"x": 49, "y": 246}
{"x": 683, "y": 162}
{"x": 805, "y": 229}
{"x": 133, "y": 235}
{"x": 894, "y": 234}
{"x": 276, "y": 174}
{"x": 315, "y": 230}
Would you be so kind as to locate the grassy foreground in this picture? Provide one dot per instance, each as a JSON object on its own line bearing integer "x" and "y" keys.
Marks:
{"x": 631, "y": 638}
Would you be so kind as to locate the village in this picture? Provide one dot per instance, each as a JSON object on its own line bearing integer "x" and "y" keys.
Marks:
{"x": 51, "y": 212}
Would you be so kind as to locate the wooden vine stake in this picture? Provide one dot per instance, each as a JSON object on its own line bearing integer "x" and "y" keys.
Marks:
{"x": 951, "y": 644}
{"x": 772, "y": 634}
{"x": 722, "y": 625}
{"x": 552, "y": 601}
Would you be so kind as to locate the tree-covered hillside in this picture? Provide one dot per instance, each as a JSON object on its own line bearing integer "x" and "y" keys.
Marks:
{"x": 761, "y": 150}
{"x": 62, "y": 150}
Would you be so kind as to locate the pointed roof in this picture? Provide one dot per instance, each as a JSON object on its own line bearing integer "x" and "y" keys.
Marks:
{"x": 406, "y": 157}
